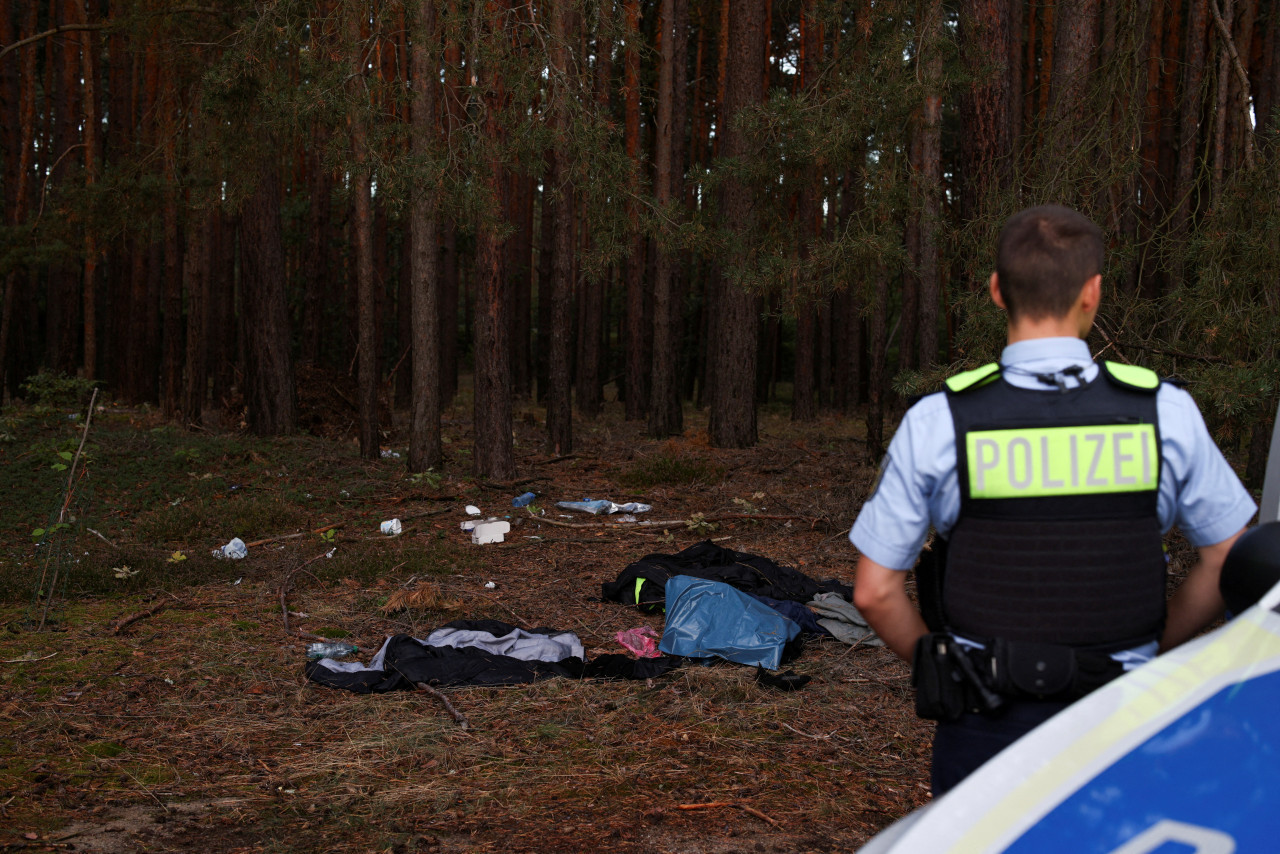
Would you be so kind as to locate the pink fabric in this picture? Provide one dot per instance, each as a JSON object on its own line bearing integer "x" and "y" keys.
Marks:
{"x": 643, "y": 641}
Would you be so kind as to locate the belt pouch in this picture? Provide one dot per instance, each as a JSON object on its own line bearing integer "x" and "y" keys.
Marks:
{"x": 940, "y": 692}
{"x": 1032, "y": 669}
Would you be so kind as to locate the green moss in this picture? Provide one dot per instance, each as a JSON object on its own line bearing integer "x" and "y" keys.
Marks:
{"x": 662, "y": 469}
{"x": 104, "y": 749}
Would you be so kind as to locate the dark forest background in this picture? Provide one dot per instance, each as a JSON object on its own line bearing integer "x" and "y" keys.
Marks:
{"x": 673, "y": 202}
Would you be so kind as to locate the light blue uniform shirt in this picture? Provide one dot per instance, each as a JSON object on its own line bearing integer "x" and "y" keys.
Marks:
{"x": 1199, "y": 491}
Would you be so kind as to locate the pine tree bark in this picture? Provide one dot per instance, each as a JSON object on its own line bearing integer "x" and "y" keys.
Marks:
{"x": 424, "y": 285}
{"x": 732, "y": 422}
{"x": 1221, "y": 107}
{"x": 1189, "y": 129}
{"x": 931, "y": 185}
{"x": 174, "y": 323}
{"x": 19, "y": 135}
{"x": 987, "y": 108}
{"x": 492, "y": 455}
{"x": 89, "y": 78}
{"x": 665, "y": 415}
{"x": 368, "y": 369}
{"x": 909, "y": 308}
{"x": 589, "y": 386}
{"x": 315, "y": 269}
{"x": 803, "y": 403}
{"x": 195, "y": 275}
{"x": 1075, "y": 41}
{"x": 560, "y": 286}
{"x": 269, "y": 389}
{"x": 636, "y": 350}
{"x": 878, "y": 384}
{"x": 1268, "y": 102}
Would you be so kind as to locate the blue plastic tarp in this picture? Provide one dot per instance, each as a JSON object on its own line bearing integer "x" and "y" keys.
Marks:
{"x": 709, "y": 618}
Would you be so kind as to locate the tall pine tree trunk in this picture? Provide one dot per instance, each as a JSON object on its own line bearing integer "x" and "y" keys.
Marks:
{"x": 18, "y": 154}
{"x": 492, "y": 455}
{"x": 269, "y": 387}
{"x": 732, "y": 422}
{"x": 424, "y": 285}
{"x": 1189, "y": 130}
{"x": 665, "y": 415}
{"x": 195, "y": 275}
{"x": 987, "y": 107}
{"x": 89, "y": 77}
{"x": 1076, "y": 36}
{"x": 803, "y": 404}
{"x": 636, "y": 340}
{"x": 368, "y": 367}
{"x": 560, "y": 290}
{"x": 931, "y": 184}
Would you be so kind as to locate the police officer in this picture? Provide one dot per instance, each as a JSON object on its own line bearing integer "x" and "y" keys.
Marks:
{"x": 1050, "y": 480}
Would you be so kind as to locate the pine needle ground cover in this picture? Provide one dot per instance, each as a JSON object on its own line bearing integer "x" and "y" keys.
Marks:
{"x": 163, "y": 706}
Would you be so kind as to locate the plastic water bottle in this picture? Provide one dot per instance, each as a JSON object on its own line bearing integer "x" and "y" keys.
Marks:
{"x": 331, "y": 649}
{"x": 596, "y": 506}
{"x": 523, "y": 500}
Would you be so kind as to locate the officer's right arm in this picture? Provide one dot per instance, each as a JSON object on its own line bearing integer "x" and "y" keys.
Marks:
{"x": 880, "y": 594}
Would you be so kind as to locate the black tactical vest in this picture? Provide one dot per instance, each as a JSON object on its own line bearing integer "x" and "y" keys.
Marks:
{"x": 1057, "y": 540}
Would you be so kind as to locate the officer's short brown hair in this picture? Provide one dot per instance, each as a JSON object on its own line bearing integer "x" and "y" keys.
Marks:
{"x": 1045, "y": 256}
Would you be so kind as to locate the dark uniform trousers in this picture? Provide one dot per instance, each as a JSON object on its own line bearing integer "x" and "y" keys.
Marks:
{"x": 962, "y": 746}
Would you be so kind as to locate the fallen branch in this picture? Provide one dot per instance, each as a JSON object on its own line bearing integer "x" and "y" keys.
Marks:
{"x": 24, "y": 659}
{"x": 554, "y": 460}
{"x": 448, "y": 707}
{"x": 284, "y": 602}
{"x": 124, "y": 622}
{"x": 104, "y": 539}
{"x": 293, "y": 536}
{"x": 721, "y": 804}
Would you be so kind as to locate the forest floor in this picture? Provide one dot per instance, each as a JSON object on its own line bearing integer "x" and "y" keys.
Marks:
{"x": 193, "y": 727}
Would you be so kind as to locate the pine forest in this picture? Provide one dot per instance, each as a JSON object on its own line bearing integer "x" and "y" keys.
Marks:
{"x": 650, "y": 204}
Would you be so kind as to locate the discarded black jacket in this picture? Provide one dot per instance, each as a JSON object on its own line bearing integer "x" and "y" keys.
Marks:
{"x": 403, "y": 661}
{"x": 643, "y": 583}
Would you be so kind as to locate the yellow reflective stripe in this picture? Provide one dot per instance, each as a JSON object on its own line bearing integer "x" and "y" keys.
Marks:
{"x": 1133, "y": 375}
{"x": 962, "y": 381}
{"x": 639, "y": 584}
{"x": 1036, "y": 462}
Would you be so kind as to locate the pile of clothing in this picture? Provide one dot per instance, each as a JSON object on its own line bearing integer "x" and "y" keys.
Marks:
{"x": 719, "y": 603}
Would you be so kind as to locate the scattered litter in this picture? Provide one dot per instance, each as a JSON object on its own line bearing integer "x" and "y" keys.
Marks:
{"x": 490, "y": 585}
{"x": 330, "y": 649}
{"x": 523, "y": 500}
{"x": 643, "y": 641}
{"x": 237, "y": 581}
{"x": 234, "y": 550}
{"x": 387, "y": 455}
{"x": 600, "y": 505}
{"x": 469, "y": 525}
{"x": 473, "y": 510}
{"x": 392, "y": 527}
{"x": 489, "y": 532}
{"x": 331, "y": 551}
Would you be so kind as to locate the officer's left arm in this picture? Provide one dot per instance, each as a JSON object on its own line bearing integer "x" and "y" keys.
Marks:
{"x": 1197, "y": 602}
{"x": 880, "y": 595}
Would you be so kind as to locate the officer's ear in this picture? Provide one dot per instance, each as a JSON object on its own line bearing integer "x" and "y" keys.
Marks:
{"x": 1091, "y": 295}
{"x": 993, "y": 285}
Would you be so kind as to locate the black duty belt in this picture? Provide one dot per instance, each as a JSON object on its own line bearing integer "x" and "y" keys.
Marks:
{"x": 951, "y": 678}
